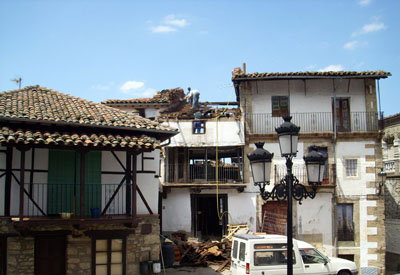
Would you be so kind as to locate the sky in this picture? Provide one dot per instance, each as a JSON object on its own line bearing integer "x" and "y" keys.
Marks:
{"x": 123, "y": 49}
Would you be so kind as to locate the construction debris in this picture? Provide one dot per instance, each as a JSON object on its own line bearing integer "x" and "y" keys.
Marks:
{"x": 206, "y": 253}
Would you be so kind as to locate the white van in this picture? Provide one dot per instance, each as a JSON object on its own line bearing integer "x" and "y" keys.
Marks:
{"x": 267, "y": 254}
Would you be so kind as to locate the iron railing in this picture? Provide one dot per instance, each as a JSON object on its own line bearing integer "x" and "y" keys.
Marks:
{"x": 202, "y": 173}
{"x": 300, "y": 172}
{"x": 44, "y": 199}
{"x": 315, "y": 122}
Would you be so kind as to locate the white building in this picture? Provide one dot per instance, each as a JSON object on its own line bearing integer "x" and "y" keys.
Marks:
{"x": 347, "y": 216}
{"x": 202, "y": 167}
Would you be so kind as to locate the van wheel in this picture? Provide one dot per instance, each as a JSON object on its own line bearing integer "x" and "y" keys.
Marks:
{"x": 343, "y": 272}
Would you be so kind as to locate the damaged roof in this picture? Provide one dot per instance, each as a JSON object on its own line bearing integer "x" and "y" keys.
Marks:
{"x": 41, "y": 116}
{"x": 161, "y": 97}
{"x": 238, "y": 75}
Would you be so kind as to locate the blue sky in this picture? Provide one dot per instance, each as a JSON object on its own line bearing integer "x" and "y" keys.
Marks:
{"x": 102, "y": 49}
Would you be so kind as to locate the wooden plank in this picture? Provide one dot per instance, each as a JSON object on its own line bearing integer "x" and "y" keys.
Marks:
{"x": 222, "y": 266}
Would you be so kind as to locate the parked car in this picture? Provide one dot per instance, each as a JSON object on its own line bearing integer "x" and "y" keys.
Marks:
{"x": 267, "y": 254}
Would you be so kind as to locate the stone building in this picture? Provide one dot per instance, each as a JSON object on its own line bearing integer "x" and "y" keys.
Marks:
{"x": 78, "y": 185}
{"x": 337, "y": 112}
{"x": 390, "y": 189}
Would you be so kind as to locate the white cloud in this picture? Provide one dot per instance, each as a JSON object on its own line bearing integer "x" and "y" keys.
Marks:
{"x": 332, "y": 68}
{"x": 364, "y": 2}
{"x": 170, "y": 23}
{"x": 374, "y": 27}
{"x": 171, "y": 19}
{"x": 351, "y": 45}
{"x": 131, "y": 85}
{"x": 368, "y": 28}
{"x": 162, "y": 29}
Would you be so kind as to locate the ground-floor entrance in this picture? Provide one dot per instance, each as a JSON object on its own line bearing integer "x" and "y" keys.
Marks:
{"x": 209, "y": 221}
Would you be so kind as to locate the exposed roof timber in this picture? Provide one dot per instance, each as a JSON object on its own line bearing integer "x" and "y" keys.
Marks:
{"x": 219, "y": 103}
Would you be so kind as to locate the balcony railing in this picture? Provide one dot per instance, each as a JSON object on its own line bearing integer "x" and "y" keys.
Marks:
{"x": 316, "y": 122}
{"x": 202, "y": 173}
{"x": 45, "y": 199}
{"x": 300, "y": 172}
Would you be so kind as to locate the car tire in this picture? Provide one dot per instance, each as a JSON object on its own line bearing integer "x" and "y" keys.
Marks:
{"x": 343, "y": 272}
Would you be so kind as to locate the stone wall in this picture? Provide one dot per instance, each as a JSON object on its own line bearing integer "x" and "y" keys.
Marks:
{"x": 141, "y": 242}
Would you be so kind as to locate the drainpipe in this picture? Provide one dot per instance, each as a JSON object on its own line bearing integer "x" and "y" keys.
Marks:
{"x": 335, "y": 240}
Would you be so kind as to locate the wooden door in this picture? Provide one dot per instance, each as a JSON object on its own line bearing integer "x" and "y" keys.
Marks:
{"x": 50, "y": 255}
{"x": 342, "y": 114}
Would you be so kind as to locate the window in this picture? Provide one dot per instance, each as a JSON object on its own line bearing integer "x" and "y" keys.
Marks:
{"x": 235, "y": 249}
{"x": 271, "y": 254}
{"x": 312, "y": 256}
{"x": 345, "y": 222}
{"x": 280, "y": 106}
{"x": 242, "y": 252}
{"x": 351, "y": 167}
{"x": 199, "y": 127}
{"x": 109, "y": 256}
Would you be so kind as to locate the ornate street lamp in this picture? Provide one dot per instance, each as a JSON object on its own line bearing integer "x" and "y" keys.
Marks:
{"x": 382, "y": 174}
{"x": 289, "y": 186}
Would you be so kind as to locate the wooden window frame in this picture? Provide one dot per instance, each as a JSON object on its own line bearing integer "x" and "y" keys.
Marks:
{"x": 353, "y": 169}
{"x": 109, "y": 251}
{"x": 203, "y": 127}
{"x": 281, "y": 112}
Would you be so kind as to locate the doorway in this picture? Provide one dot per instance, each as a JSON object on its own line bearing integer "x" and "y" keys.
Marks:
{"x": 50, "y": 255}
{"x": 342, "y": 114}
{"x": 206, "y": 224}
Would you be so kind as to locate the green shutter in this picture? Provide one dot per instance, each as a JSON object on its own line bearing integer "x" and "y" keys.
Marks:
{"x": 63, "y": 192}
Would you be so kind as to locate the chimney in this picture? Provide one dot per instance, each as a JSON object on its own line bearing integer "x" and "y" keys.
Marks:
{"x": 244, "y": 68}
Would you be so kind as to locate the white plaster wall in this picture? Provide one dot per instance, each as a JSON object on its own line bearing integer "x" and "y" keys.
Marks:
{"x": 147, "y": 182}
{"x": 314, "y": 216}
{"x": 354, "y": 186}
{"x": 177, "y": 209}
{"x": 392, "y": 236}
{"x": 230, "y": 132}
{"x": 39, "y": 180}
{"x": 307, "y": 96}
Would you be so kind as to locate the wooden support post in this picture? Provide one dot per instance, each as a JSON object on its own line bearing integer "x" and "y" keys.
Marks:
{"x": 82, "y": 184}
{"x": 134, "y": 186}
{"x": 22, "y": 183}
{"x": 128, "y": 183}
{"x": 7, "y": 191}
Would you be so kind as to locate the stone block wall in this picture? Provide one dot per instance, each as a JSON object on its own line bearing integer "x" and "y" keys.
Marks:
{"x": 142, "y": 244}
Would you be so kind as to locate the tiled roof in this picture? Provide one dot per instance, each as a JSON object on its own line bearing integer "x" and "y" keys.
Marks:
{"x": 373, "y": 74}
{"x": 54, "y": 138}
{"x": 41, "y": 104}
{"x": 164, "y": 96}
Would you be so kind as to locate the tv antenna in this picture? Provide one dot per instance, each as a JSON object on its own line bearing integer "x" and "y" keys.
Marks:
{"x": 18, "y": 81}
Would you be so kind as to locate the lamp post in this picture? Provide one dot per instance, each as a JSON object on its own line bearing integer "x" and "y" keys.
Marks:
{"x": 289, "y": 186}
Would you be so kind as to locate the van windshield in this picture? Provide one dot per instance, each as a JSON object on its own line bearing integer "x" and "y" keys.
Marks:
{"x": 271, "y": 257}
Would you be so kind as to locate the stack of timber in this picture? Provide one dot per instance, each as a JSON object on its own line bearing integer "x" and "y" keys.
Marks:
{"x": 207, "y": 253}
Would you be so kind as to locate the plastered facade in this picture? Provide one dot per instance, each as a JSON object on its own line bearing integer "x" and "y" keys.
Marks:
{"x": 315, "y": 220}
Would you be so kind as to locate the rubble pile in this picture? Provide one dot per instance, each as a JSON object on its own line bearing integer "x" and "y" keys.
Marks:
{"x": 206, "y": 253}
